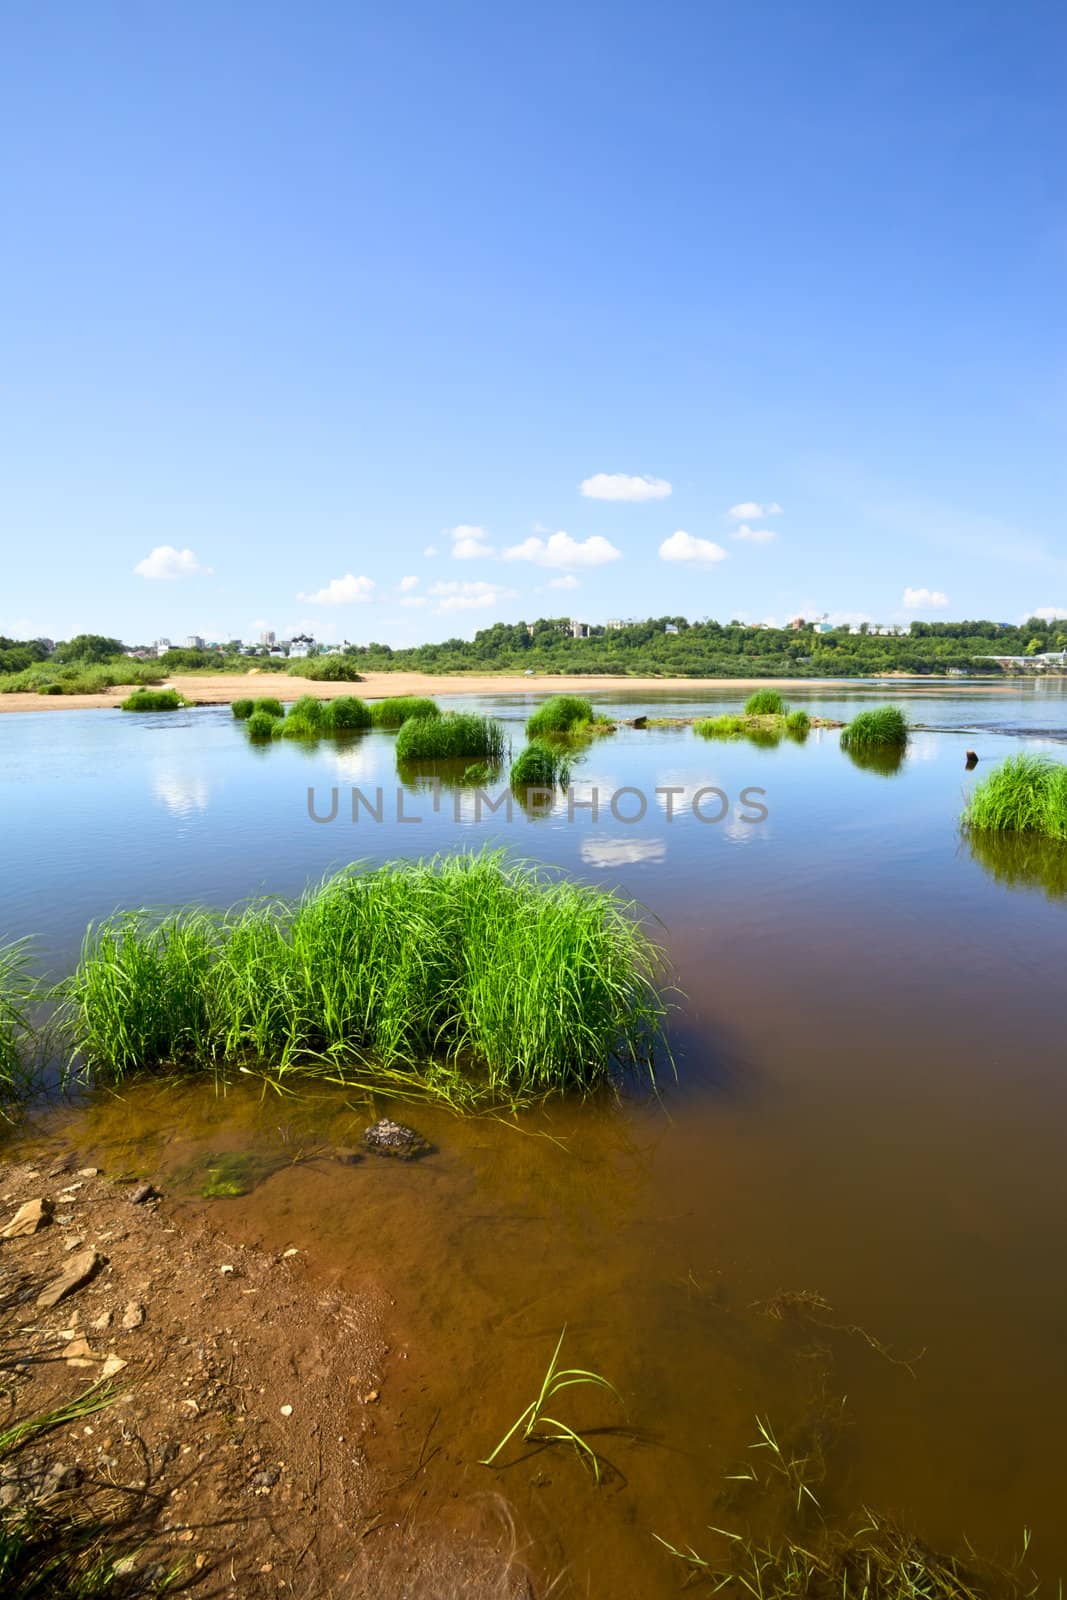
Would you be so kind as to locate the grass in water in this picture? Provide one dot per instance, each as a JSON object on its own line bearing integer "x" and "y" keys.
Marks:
{"x": 885, "y": 726}
{"x": 767, "y": 730}
{"x": 765, "y": 703}
{"x": 1025, "y": 794}
{"x": 496, "y": 981}
{"x": 877, "y": 1560}
{"x": 394, "y": 713}
{"x": 154, "y": 700}
{"x": 539, "y": 766}
{"x": 561, "y": 713}
{"x": 17, "y": 988}
{"x": 244, "y": 709}
{"x": 534, "y": 1423}
{"x": 458, "y": 735}
{"x": 261, "y": 725}
{"x": 797, "y": 724}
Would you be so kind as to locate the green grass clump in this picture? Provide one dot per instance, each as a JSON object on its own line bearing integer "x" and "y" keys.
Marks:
{"x": 304, "y": 720}
{"x": 798, "y": 724}
{"x": 346, "y": 714}
{"x": 540, "y": 766}
{"x": 484, "y": 978}
{"x": 456, "y": 735}
{"x": 271, "y": 707}
{"x": 561, "y": 713}
{"x": 242, "y": 709}
{"x": 885, "y": 726}
{"x": 765, "y": 703}
{"x": 154, "y": 700}
{"x": 1025, "y": 794}
{"x": 261, "y": 725}
{"x": 537, "y": 1425}
{"x": 16, "y": 992}
{"x": 725, "y": 727}
{"x": 394, "y": 713}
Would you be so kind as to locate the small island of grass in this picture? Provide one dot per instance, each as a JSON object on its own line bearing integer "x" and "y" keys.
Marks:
{"x": 154, "y": 700}
{"x": 886, "y": 726}
{"x": 458, "y": 735}
{"x": 1026, "y": 794}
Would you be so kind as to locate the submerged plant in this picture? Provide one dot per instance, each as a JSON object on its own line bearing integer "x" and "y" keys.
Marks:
{"x": 458, "y": 735}
{"x": 560, "y": 713}
{"x": 885, "y": 725}
{"x": 395, "y": 712}
{"x": 535, "y": 1424}
{"x": 154, "y": 700}
{"x": 540, "y": 766}
{"x": 494, "y": 979}
{"x": 1026, "y": 794}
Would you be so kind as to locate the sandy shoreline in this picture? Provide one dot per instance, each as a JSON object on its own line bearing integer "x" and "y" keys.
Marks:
{"x": 221, "y": 689}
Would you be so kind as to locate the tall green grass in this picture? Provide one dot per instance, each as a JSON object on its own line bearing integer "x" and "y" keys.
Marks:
{"x": 728, "y": 726}
{"x": 243, "y": 709}
{"x": 492, "y": 978}
{"x": 561, "y": 713}
{"x": 1025, "y": 794}
{"x": 765, "y": 703}
{"x": 261, "y": 725}
{"x": 797, "y": 724}
{"x": 886, "y": 725}
{"x": 346, "y": 714}
{"x": 457, "y": 735}
{"x": 540, "y": 766}
{"x": 52, "y": 678}
{"x": 154, "y": 700}
{"x": 394, "y": 713}
{"x": 17, "y": 989}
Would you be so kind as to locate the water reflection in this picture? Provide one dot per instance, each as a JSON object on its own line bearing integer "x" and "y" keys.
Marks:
{"x": 1021, "y": 860}
{"x": 885, "y": 759}
{"x": 621, "y": 852}
{"x": 182, "y": 795}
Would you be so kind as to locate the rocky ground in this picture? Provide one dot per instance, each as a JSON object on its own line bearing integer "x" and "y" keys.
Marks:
{"x": 240, "y": 1402}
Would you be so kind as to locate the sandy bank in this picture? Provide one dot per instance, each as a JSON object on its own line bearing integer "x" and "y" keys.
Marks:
{"x": 224, "y": 687}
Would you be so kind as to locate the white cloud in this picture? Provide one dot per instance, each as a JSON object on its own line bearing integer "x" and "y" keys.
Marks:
{"x": 344, "y": 591}
{"x": 749, "y": 510}
{"x": 474, "y": 596}
{"x": 755, "y": 535}
{"x": 560, "y": 550}
{"x": 1047, "y": 613}
{"x": 469, "y": 542}
{"x": 407, "y": 584}
{"x": 618, "y": 486}
{"x": 412, "y": 600}
{"x": 621, "y": 852}
{"x": 166, "y": 562}
{"x": 568, "y": 582}
{"x": 682, "y": 546}
{"x": 924, "y": 600}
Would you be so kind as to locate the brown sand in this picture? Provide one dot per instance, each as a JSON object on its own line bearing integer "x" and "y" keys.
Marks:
{"x": 224, "y": 687}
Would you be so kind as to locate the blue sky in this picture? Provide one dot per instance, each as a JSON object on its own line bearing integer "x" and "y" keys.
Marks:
{"x": 291, "y": 294}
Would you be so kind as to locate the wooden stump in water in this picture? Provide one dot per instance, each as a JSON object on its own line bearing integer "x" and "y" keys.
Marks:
{"x": 972, "y": 759}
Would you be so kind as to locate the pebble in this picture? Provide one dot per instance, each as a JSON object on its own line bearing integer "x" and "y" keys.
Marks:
{"x": 287, "y": 1411}
{"x": 133, "y": 1316}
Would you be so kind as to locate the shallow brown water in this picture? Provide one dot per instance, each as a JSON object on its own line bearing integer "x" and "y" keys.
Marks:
{"x": 869, "y": 1106}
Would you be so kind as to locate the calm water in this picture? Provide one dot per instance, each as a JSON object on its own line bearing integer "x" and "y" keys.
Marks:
{"x": 869, "y": 1107}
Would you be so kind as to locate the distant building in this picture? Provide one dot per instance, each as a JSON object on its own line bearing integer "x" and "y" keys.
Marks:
{"x": 161, "y": 646}
{"x": 796, "y": 623}
{"x": 614, "y": 624}
{"x": 194, "y": 642}
{"x": 298, "y": 649}
{"x": 670, "y": 627}
{"x": 822, "y": 627}
{"x": 267, "y": 636}
{"x": 579, "y": 630}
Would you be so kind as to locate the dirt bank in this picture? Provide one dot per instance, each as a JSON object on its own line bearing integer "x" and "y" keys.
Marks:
{"x": 245, "y": 1402}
